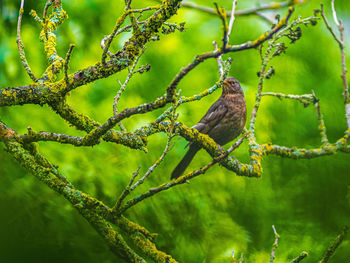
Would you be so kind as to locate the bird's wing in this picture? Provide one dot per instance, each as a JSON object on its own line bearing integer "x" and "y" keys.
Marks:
{"x": 213, "y": 116}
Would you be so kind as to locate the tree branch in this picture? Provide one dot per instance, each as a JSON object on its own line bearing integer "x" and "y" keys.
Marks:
{"x": 20, "y": 45}
{"x": 331, "y": 250}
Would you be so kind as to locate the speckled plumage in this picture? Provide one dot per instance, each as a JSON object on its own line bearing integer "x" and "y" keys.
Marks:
{"x": 223, "y": 122}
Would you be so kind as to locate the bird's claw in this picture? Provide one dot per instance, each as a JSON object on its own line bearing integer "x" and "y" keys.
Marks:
{"x": 222, "y": 150}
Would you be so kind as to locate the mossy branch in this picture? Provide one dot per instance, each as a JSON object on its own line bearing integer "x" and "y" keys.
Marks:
{"x": 336, "y": 243}
{"x": 20, "y": 45}
{"x": 51, "y": 92}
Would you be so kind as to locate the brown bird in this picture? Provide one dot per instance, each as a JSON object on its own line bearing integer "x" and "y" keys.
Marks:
{"x": 223, "y": 122}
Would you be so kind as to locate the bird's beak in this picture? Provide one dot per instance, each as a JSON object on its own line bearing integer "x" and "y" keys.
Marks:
{"x": 225, "y": 82}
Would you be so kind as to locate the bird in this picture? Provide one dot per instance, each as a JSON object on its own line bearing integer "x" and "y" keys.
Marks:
{"x": 223, "y": 122}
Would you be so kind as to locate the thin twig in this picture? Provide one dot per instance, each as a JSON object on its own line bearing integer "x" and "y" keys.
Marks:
{"x": 36, "y": 17}
{"x": 300, "y": 257}
{"x": 321, "y": 125}
{"x": 47, "y": 5}
{"x": 341, "y": 44}
{"x": 331, "y": 250}
{"x": 336, "y": 21}
{"x": 126, "y": 190}
{"x": 219, "y": 59}
{"x": 20, "y": 45}
{"x": 264, "y": 62}
{"x": 344, "y": 75}
{"x": 250, "y": 11}
{"x": 119, "y": 22}
{"x": 127, "y": 3}
{"x": 275, "y": 244}
{"x": 232, "y": 19}
{"x": 122, "y": 88}
{"x": 66, "y": 62}
{"x": 329, "y": 26}
{"x": 233, "y": 259}
{"x": 103, "y": 41}
{"x": 305, "y": 99}
{"x": 121, "y": 30}
{"x": 222, "y": 14}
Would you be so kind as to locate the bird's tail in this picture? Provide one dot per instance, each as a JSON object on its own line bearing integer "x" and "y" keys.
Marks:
{"x": 186, "y": 160}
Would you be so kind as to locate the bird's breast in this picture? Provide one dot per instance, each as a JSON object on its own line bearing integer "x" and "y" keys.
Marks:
{"x": 232, "y": 124}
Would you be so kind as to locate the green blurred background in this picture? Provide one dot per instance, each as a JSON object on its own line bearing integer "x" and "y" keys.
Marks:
{"x": 204, "y": 221}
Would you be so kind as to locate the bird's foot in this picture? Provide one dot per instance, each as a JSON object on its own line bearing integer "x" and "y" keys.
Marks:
{"x": 222, "y": 150}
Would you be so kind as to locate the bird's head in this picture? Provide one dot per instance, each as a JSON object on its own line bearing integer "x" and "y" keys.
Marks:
{"x": 231, "y": 86}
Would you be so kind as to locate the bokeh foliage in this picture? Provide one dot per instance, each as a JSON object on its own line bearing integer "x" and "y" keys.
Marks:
{"x": 307, "y": 200}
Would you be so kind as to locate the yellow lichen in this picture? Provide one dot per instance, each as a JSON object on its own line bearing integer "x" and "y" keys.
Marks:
{"x": 268, "y": 147}
{"x": 257, "y": 169}
{"x": 260, "y": 38}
